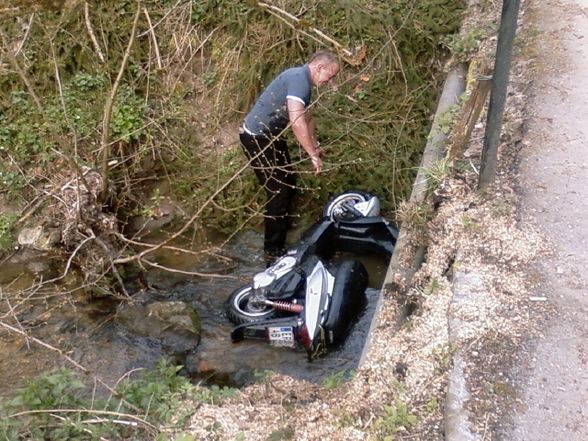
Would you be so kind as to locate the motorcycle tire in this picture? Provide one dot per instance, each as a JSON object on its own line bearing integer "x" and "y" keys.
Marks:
{"x": 334, "y": 208}
{"x": 239, "y": 311}
{"x": 351, "y": 280}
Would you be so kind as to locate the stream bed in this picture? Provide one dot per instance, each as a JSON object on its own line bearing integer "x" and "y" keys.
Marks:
{"x": 88, "y": 332}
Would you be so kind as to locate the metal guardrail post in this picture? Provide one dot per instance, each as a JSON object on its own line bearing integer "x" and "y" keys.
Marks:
{"x": 506, "y": 34}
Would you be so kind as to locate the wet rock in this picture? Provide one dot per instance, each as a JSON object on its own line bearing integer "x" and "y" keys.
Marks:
{"x": 39, "y": 238}
{"x": 158, "y": 217}
{"x": 201, "y": 364}
{"x": 38, "y": 266}
{"x": 176, "y": 325}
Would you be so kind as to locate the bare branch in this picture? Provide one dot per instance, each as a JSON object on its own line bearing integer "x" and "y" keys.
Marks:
{"x": 187, "y": 224}
{"x": 153, "y": 38}
{"x": 25, "y": 36}
{"x": 104, "y": 144}
{"x": 316, "y": 34}
{"x": 112, "y": 267}
{"x": 210, "y": 251}
{"x": 45, "y": 345}
{"x": 88, "y": 411}
{"x": 142, "y": 34}
{"x": 68, "y": 359}
{"x": 189, "y": 273}
{"x": 91, "y": 31}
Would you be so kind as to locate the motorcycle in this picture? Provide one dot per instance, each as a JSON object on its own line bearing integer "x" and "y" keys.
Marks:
{"x": 307, "y": 299}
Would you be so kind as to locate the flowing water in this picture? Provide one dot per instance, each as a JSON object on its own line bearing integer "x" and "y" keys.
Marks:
{"x": 88, "y": 332}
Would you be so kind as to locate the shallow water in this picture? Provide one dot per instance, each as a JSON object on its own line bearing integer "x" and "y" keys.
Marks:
{"x": 235, "y": 364}
{"x": 88, "y": 333}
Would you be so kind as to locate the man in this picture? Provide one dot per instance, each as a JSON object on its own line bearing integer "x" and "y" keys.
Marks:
{"x": 284, "y": 103}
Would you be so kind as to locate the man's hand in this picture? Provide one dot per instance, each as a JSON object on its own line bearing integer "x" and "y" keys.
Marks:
{"x": 317, "y": 163}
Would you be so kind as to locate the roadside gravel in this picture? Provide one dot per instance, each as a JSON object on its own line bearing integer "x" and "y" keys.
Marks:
{"x": 529, "y": 382}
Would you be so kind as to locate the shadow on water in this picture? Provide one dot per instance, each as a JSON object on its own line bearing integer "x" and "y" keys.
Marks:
{"x": 88, "y": 332}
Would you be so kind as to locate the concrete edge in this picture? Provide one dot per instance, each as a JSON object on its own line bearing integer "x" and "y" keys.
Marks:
{"x": 466, "y": 287}
{"x": 456, "y": 417}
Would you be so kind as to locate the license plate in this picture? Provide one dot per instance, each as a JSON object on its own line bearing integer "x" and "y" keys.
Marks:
{"x": 281, "y": 336}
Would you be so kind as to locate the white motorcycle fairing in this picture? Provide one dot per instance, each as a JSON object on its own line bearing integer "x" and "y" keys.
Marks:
{"x": 371, "y": 207}
{"x": 319, "y": 286}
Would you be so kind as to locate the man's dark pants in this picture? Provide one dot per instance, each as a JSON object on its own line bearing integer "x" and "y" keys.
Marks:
{"x": 270, "y": 160}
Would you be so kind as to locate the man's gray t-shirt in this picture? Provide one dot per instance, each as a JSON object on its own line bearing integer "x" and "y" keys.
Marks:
{"x": 269, "y": 115}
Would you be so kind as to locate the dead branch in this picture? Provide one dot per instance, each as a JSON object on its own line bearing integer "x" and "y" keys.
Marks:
{"x": 142, "y": 34}
{"x": 69, "y": 261}
{"x": 153, "y": 38}
{"x": 209, "y": 252}
{"x": 45, "y": 345}
{"x": 189, "y": 273}
{"x": 18, "y": 11}
{"x": 15, "y": 307}
{"x": 71, "y": 160}
{"x": 91, "y": 412}
{"x": 15, "y": 318}
{"x": 104, "y": 143}
{"x": 112, "y": 267}
{"x": 80, "y": 174}
{"x": 25, "y": 36}
{"x": 188, "y": 62}
{"x": 30, "y": 209}
{"x": 91, "y": 32}
{"x": 319, "y": 36}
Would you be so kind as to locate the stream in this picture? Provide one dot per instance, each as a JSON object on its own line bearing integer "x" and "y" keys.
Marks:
{"x": 88, "y": 332}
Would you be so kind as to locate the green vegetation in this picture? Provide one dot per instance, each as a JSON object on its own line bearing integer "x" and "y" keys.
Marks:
{"x": 432, "y": 287}
{"x": 336, "y": 379}
{"x": 468, "y": 222}
{"x": 55, "y": 406}
{"x": 502, "y": 207}
{"x": 188, "y": 82}
{"x": 464, "y": 46}
{"x": 432, "y": 405}
{"x": 415, "y": 216}
{"x": 285, "y": 434}
{"x": 436, "y": 173}
{"x": 395, "y": 417}
{"x": 443, "y": 356}
{"x": 345, "y": 419}
{"x": 446, "y": 120}
{"x": 7, "y": 223}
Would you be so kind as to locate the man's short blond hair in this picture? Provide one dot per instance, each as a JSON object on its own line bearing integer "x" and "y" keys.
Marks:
{"x": 324, "y": 56}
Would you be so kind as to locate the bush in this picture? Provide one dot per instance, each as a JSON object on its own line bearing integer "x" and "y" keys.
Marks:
{"x": 54, "y": 406}
{"x": 7, "y": 224}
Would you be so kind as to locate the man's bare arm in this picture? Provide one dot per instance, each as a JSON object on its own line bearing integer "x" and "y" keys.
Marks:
{"x": 303, "y": 128}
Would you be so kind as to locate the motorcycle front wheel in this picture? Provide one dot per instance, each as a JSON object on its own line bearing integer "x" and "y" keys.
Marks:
{"x": 335, "y": 208}
{"x": 240, "y": 310}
